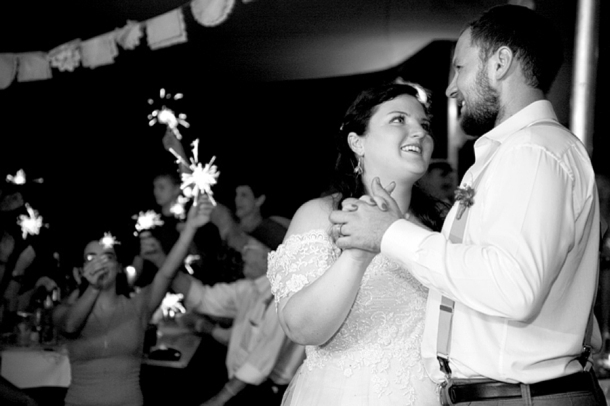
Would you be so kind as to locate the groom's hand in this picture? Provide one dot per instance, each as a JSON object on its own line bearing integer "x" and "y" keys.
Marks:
{"x": 362, "y": 223}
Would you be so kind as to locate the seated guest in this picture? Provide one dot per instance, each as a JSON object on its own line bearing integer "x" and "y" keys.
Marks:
{"x": 105, "y": 325}
{"x": 260, "y": 360}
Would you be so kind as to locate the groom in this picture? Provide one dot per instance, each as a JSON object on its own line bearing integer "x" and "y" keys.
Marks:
{"x": 510, "y": 295}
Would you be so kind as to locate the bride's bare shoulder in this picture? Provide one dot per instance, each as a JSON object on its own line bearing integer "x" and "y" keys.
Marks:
{"x": 312, "y": 214}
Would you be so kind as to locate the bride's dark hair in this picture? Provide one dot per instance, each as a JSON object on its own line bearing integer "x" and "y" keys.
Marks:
{"x": 347, "y": 183}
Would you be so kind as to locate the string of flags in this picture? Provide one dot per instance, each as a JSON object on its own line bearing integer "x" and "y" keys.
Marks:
{"x": 161, "y": 31}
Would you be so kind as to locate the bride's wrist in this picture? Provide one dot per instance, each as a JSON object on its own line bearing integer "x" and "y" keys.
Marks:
{"x": 359, "y": 257}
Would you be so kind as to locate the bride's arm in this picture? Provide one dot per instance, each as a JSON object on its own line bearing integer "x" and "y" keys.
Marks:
{"x": 313, "y": 315}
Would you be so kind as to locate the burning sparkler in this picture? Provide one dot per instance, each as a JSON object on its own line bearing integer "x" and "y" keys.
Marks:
{"x": 171, "y": 305}
{"x": 201, "y": 178}
{"x": 30, "y": 224}
{"x": 20, "y": 178}
{"x": 147, "y": 220}
{"x": 165, "y": 115}
{"x": 188, "y": 261}
{"x": 178, "y": 209}
{"x": 108, "y": 241}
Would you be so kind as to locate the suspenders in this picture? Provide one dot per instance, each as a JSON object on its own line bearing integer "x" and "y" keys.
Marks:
{"x": 447, "y": 305}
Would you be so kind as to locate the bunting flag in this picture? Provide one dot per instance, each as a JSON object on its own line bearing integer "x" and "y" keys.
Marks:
{"x": 8, "y": 69}
{"x": 130, "y": 35}
{"x": 99, "y": 51}
{"x": 210, "y": 13}
{"x": 161, "y": 31}
{"x": 66, "y": 57}
{"x": 33, "y": 66}
{"x": 166, "y": 29}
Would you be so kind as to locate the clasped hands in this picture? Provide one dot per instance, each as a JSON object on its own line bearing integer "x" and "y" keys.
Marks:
{"x": 362, "y": 222}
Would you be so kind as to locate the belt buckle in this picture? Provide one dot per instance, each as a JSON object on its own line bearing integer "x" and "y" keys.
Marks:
{"x": 443, "y": 389}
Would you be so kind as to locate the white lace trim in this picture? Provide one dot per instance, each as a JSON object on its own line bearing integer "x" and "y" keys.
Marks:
{"x": 383, "y": 331}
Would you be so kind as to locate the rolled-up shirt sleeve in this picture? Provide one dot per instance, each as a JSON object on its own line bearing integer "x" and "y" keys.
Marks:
{"x": 219, "y": 300}
{"x": 265, "y": 350}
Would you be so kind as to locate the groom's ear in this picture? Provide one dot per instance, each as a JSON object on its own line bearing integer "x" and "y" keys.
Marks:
{"x": 356, "y": 143}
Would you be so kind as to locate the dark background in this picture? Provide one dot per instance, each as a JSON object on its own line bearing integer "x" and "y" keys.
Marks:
{"x": 86, "y": 132}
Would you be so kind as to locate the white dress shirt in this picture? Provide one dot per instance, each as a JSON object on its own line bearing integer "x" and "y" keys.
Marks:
{"x": 524, "y": 277}
{"x": 258, "y": 347}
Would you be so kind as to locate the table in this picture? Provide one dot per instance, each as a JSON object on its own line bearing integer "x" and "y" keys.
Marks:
{"x": 177, "y": 337}
{"x": 35, "y": 366}
{"x": 198, "y": 374}
{"x": 49, "y": 366}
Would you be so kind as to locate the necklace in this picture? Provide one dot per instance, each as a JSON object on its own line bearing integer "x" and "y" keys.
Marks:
{"x": 106, "y": 326}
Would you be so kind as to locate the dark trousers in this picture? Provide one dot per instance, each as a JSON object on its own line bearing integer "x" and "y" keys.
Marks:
{"x": 596, "y": 397}
{"x": 265, "y": 394}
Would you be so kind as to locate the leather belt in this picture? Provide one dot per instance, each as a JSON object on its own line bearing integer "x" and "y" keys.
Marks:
{"x": 470, "y": 392}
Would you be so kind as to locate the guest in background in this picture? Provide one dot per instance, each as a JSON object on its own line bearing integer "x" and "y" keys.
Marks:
{"x": 260, "y": 360}
{"x": 156, "y": 242}
{"x": 250, "y": 195}
{"x": 105, "y": 325}
{"x": 439, "y": 180}
{"x": 602, "y": 309}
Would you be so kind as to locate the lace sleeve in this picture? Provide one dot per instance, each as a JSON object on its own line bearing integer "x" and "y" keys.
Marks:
{"x": 300, "y": 260}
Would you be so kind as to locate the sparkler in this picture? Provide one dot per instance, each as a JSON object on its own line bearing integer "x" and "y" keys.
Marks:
{"x": 170, "y": 306}
{"x": 201, "y": 178}
{"x": 177, "y": 208}
{"x": 30, "y": 224}
{"x": 108, "y": 241}
{"x": 188, "y": 261}
{"x": 165, "y": 115}
{"x": 20, "y": 178}
{"x": 147, "y": 220}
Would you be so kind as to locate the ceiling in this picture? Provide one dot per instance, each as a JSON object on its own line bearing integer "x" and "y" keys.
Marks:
{"x": 261, "y": 39}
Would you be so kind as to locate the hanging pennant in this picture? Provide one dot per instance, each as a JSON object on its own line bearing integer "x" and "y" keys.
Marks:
{"x": 130, "y": 35}
{"x": 166, "y": 29}
{"x": 33, "y": 66}
{"x": 8, "y": 69}
{"x": 66, "y": 57}
{"x": 99, "y": 51}
{"x": 210, "y": 13}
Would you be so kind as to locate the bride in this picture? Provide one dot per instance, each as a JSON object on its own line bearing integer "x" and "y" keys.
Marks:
{"x": 360, "y": 315}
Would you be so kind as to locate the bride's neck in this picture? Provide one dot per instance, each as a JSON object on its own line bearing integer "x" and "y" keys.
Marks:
{"x": 401, "y": 194}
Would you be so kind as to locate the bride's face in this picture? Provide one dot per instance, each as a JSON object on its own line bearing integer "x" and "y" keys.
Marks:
{"x": 398, "y": 144}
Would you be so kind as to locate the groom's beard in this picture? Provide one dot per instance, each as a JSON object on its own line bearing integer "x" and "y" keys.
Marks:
{"x": 482, "y": 112}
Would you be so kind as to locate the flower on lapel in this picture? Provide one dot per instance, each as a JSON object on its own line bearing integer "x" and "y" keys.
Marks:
{"x": 464, "y": 195}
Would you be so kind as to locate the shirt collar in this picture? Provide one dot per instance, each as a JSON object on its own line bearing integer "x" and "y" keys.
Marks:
{"x": 538, "y": 110}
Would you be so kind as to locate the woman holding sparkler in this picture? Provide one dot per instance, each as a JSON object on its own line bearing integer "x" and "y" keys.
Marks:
{"x": 105, "y": 329}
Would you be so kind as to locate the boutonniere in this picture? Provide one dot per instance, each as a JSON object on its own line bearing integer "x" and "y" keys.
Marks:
{"x": 464, "y": 195}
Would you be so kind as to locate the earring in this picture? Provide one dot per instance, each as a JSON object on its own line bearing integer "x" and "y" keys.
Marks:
{"x": 359, "y": 169}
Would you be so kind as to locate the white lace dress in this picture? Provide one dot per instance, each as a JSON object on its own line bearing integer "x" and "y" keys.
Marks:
{"x": 374, "y": 358}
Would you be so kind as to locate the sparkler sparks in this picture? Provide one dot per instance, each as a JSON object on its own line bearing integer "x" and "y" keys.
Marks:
{"x": 165, "y": 115}
{"x": 178, "y": 209}
{"x": 20, "y": 178}
{"x": 201, "y": 178}
{"x": 147, "y": 220}
{"x": 188, "y": 261}
{"x": 30, "y": 224}
{"x": 108, "y": 241}
{"x": 171, "y": 305}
